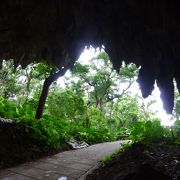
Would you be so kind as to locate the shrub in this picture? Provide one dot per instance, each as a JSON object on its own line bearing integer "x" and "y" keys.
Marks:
{"x": 48, "y": 132}
{"x": 146, "y": 131}
{"x": 92, "y": 135}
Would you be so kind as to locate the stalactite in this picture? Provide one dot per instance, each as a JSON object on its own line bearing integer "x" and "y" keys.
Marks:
{"x": 145, "y": 33}
{"x": 146, "y": 81}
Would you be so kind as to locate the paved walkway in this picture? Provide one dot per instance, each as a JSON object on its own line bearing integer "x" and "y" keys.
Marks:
{"x": 71, "y": 165}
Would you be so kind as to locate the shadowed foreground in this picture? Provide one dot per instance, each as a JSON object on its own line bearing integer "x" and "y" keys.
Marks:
{"x": 74, "y": 164}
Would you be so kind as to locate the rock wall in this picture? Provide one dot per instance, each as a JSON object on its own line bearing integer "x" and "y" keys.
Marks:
{"x": 146, "y": 32}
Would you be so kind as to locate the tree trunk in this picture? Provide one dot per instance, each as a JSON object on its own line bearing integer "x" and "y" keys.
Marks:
{"x": 47, "y": 83}
{"x": 43, "y": 97}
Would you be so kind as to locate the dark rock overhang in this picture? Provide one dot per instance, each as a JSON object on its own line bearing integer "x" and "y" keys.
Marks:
{"x": 146, "y": 32}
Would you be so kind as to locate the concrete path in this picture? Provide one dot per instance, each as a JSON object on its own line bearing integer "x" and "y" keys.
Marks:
{"x": 74, "y": 164}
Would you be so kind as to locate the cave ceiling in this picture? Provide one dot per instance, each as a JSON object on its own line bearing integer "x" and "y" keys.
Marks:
{"x": 145, "y": 32}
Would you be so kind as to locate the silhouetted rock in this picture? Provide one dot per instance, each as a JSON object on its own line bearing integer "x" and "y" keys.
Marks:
{"x": 147, "y": 172}
{"x": 143, "y": 32}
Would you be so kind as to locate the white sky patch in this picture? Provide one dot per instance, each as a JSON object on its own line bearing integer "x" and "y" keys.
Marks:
{"x": 166, "y": 119}
{"x": 84, "y": 58}
{"x": 157, "y": 107}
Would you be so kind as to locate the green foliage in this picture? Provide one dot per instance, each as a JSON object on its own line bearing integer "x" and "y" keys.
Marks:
{"x": 105, "y": 160}
{"x": 8, "y": 109}
{"x": 92, "y": 135}
{"x": 93, "y": 107}
{"x": 146, "y": 131}
{"x": 175, "y": 130}
{"x": 65, "y": 104}
{"x": 124, "y": 147}
{"x": 48, "y": 132}
{"x": 126, "y": 111}
{"x": 101, "y": 82}
{"x": 80, "y": 69}
{"x": 129, "y": 70}
{"x": 9, "y": 80}
{"x": 42, "y": 70}
{"x": 86, "y": 124}
{"x": 96, "y": 117}
{"x": 176, "y": 112}
{"x": 123, "y": 133}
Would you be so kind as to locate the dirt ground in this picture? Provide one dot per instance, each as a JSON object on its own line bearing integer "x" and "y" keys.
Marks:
{"x": 157, "y": 161}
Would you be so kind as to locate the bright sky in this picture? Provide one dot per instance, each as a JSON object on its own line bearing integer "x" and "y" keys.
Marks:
{"x": 166, "y": 119}
{"x": 156, "y": 107}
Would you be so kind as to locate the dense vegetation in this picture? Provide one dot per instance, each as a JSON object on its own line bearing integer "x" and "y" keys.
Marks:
{"x": 94, "y": 104}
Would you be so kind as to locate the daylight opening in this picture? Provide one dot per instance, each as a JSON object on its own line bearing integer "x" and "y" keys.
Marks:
{"x": 153, "y": 103}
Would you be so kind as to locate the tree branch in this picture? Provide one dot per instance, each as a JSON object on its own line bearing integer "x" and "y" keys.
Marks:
{"x": 47, "y": 83}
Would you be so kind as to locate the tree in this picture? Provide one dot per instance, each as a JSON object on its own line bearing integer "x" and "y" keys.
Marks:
{"x": 47, "y": 83}
{"x": 125, "y": 111}
{"x": 101, "y": 82}
{"x": 63, "y": 104}
{"x": 9, "y": 80}
{"x": 22, "y": 84}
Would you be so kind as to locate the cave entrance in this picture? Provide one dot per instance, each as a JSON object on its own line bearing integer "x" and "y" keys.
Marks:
{"x": 153, "y": 102}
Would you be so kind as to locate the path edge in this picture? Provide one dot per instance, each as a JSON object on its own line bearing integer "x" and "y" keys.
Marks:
{"x": 83, "y": 177}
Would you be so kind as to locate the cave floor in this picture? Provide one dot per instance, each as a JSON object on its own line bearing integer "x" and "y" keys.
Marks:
{"x": 73, "y": 164}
